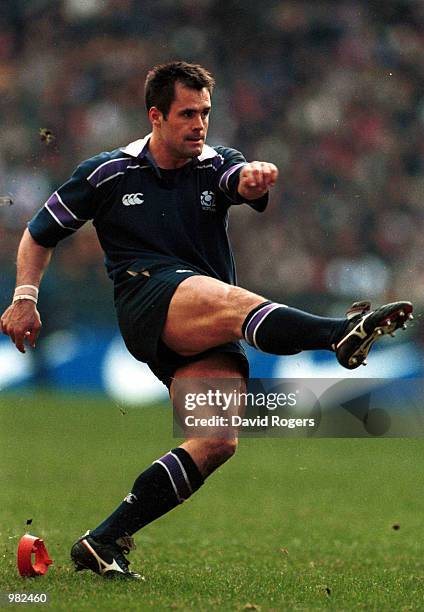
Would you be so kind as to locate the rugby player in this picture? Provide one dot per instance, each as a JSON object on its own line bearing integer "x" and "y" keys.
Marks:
{"x": 160, "y": 208}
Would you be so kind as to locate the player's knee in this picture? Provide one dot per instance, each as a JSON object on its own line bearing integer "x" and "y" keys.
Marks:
{"x": 220, "y": 450}
{"x": 238, "y": 302}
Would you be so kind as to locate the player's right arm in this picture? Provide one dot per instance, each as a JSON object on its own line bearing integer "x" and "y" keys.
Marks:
{"x": 64, "y": 213}
{"x": 21, "y": 320}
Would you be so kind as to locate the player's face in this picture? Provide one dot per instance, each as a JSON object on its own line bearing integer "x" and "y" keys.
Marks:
{"x": 183, "y": 132}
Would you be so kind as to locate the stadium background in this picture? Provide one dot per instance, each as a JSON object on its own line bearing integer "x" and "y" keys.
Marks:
{"x": 332, "y": 92}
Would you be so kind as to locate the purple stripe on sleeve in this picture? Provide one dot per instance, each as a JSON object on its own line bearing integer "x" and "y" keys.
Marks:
{"x": 177, "y": 475}
{"x": 255, "y": 321}
{"x": 223, "y": 183}
{"x": 61, "y": 213}
{"x": 108, "y": 170}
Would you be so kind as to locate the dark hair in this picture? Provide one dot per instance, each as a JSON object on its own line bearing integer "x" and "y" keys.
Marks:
{"x": 159, "y": 88}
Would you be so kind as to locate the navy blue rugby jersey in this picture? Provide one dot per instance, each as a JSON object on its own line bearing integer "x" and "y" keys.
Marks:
{"x": 146, "y": 216}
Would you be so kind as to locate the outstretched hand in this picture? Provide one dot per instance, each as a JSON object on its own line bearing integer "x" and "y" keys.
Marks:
{"x": 21, "y": 322}
{"x": 256, "y": 178}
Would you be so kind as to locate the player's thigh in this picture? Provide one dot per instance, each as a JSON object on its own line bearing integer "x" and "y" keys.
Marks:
{"x": 205, "y": 312}
{"x": 213, "y": 439}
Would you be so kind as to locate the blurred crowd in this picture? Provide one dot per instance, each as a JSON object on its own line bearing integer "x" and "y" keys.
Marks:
{"x": 330, "y": 91}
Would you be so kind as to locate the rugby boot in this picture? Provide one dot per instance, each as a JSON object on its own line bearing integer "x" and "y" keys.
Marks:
{"x": 365, "y": 326}
{"x": 106, "y": 559}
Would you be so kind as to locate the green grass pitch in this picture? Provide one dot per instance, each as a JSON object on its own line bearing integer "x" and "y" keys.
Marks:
{"x": 285, "y": 525}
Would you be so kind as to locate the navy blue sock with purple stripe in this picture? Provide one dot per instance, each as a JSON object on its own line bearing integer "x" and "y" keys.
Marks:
{"x": 282, "y": 330}
{"x": 164, "y": 485}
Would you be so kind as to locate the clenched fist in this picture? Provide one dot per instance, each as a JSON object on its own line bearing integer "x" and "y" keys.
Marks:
{"x": 256, "y": 178}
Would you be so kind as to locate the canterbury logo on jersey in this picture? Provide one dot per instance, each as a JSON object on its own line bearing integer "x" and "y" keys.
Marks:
{"x": 130, "y": 199}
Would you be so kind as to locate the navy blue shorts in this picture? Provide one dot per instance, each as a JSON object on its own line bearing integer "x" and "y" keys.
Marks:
{"x": 142, "y": 302}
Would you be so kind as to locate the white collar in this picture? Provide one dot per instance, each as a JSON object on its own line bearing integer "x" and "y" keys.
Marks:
{"x": 135, "y": 148}
{"x": 138, "y": 146}
{"x": 207, "y": 153}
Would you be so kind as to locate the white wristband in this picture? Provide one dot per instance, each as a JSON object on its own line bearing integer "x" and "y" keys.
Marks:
{"x": 17, "y": 298}
{"x": 27, "y": 287}
{"x": 25, "y": 292}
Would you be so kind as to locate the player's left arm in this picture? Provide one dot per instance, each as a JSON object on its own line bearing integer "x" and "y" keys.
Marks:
{"x": 244, "y": 182}
{"x": 256, "y": 178}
